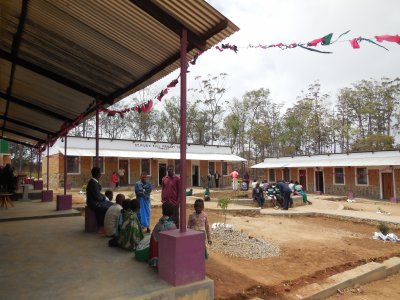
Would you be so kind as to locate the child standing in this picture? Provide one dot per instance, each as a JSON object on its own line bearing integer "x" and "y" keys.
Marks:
{"x": 114, "y": 179}
{"x": 199, "y": 221}
{"x": 165, "y": 223}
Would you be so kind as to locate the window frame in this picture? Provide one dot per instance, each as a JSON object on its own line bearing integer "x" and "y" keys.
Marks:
{"x": 103, "y": 169}
{"x": 79, "y": 164}
{"x": 141, "y": 166}
{"x": 284, "y": 170}
{"x": 224, "y": 166}
{"x": 214, "y": 164}
{"x": 343, "y": 173}
{"x": 269, "y": 175}
{"x": 356, "y": 177}
{"x": 177, "y": 167}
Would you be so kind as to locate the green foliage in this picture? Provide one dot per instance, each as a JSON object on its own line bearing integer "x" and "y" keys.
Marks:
{"x": 382, "y": 227}
{"x": 83, "y": 188}
{"x": 374, "y": 142}
{"x": 224, "y": 203}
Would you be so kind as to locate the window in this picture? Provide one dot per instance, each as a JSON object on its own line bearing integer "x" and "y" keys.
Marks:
{"x": 271, "y": 175}
{"x": 361, "y": 176}
{"x": 339, "y": 176}
{"x": 101, "y": 163}
{"x": 286, "y": 175}
{"x": 177, "y": 165}
{"x": 224, "y": 168}
{"x": 73, "y": 165}
{"x": 211, "y": 167}
{"x": 145, "y": 166}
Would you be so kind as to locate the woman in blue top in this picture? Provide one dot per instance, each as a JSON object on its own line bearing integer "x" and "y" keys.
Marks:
{"x": 142, "y": 191}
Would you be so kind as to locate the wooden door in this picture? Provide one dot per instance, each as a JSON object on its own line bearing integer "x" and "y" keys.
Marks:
{"x": 387, "y": 185}
{"x": 303, "y": 179}
{"x": 162, "y": 171}
{"x": 124, "y": 164}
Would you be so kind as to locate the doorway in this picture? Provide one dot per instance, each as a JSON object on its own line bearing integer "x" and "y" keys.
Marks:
{"x": 162, "y": 171}
{"x": 319, "y": 181}
{"x": 123, "y": 171}
{"x": 387, "y": 186}
{"x": 303, "y": 179}
{"x": 195, "y": 175}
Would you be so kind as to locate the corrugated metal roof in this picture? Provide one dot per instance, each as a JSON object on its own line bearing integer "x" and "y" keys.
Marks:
{"x": 79, "y": 146}
{"x": 56, "y": 56}
{"x": 360, "y": 159}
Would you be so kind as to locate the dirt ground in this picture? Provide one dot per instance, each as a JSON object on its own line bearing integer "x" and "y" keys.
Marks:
{"x": 312, "y": 248}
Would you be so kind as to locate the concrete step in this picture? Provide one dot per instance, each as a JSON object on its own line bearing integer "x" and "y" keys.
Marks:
{"x": 360, "y": 275}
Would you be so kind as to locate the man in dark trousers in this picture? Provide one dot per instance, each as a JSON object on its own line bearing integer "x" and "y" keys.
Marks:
{"x": 285, "y": 193}
{"x": 96, "y": 200}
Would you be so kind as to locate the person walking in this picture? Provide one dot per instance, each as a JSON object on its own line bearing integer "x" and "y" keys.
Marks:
{"x": 121, "y": 174}
{"x": 170, "y": 187}
{"x": 234, "y": 176}
{"x": 142, "y": 191}
{"x": 114, "y": 179}
{"x": 217, "y": 176}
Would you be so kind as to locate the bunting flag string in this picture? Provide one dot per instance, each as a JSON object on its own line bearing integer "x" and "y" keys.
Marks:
{"x": 148, "y": 105}
{"x": 323, "y": 41}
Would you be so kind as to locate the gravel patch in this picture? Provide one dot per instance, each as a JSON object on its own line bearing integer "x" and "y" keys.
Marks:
{"x": 239, "y": 244}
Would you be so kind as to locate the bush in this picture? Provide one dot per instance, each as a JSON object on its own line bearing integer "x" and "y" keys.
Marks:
{"x": 83, "y": 189}
{"x": 382, "y": 227}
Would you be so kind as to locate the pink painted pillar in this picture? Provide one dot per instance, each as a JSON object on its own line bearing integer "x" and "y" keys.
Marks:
{"x": 181, "y": 251}
{"x": 47, "y": 195}
{"x": 64, "y": 202}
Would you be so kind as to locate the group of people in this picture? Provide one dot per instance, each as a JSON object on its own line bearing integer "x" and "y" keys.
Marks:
{"x": 8, "y": 181}
{"x": 128, "y": 220}
{"x": 117, "y": 178}
{"x": 280, "y": 194}
{"x": 213, "y": 176}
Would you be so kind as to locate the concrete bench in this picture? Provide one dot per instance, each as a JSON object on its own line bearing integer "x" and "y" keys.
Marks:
{"x": 90, "y": 220}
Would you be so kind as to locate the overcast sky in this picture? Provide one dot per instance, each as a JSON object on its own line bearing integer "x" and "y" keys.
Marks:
{"x": 286, "y": 73}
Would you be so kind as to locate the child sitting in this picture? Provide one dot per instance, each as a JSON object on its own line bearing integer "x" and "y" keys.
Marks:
{"x": 199, "y": 221}
{"x": 131, "y": 229}
{"x": 165, "y": 223}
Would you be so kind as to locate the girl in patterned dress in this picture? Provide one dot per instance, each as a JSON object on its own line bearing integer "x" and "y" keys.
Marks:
{"x": 199, "y": 221}
{"x": 131, "y": 230}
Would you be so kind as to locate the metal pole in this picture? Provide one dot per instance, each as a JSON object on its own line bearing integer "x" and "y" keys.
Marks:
{"x": 30, "y": 164}
{"x": 65, "y": 165}
{"x": 48, "y": 165}
{"x": 183, "y": 170}
{"x": 96, "y": 164}
{"x": 39, "y": 161}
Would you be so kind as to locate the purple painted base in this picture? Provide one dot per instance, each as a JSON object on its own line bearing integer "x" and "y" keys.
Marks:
{"x": 181, "y": 256}
{"x": 394, "y": 200}
{"x": 318, "y": 193}
{"x": 350, "y": 196}
{"x": 64, "y": 202}
{"x": 90, "y": 220}
{"x": 38, "y": 185}
{"x": 47, "y": 196}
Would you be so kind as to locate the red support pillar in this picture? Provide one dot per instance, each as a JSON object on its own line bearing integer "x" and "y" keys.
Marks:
{"x": 181, "y": 252}
{"x": 183, "y": 170}
{"x": 47, "y": 195}
{"x": 64, "y": 202}
{"x": 48, "y": 165}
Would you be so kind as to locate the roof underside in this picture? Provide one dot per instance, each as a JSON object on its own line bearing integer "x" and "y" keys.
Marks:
{"x": 58, "y": 56}
{"x": 365, "y": 159}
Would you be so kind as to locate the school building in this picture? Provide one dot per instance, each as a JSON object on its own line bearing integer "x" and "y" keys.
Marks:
{"x": 374, "y": 175}
{"x": 134, "y": 157}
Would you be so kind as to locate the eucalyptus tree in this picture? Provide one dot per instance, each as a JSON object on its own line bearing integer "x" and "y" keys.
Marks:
{"x": 210, "y": 93}
{"x": 255, "y": 104}
{"x": 169, "y": 120}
